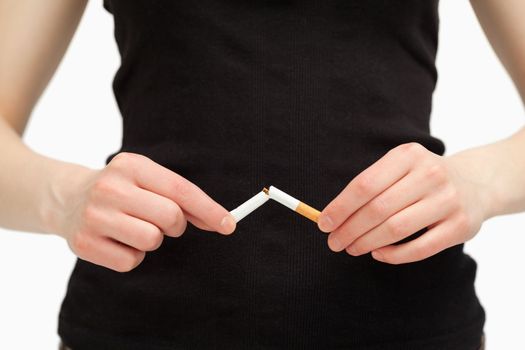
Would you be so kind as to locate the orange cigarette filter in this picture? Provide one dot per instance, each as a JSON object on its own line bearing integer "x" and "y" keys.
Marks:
{"x": 292, "y": 203}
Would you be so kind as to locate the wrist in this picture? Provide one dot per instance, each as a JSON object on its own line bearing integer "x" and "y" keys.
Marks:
{"x": 61, "y": 192}
{"x": 478, "y": 166}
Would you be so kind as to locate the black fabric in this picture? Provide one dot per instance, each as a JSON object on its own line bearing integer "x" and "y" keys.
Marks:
{"x": 236, "y": 95}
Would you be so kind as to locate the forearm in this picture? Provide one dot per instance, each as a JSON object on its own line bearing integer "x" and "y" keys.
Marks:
{"x": 32, "y": 186}
{"x": 33, "y": 38}
{"x": 502, "y": 22}
{"x": 500, "y": 168}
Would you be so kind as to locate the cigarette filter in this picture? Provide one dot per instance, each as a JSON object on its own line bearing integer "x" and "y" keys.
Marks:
{"x": 250, "y": 205}
{"x": 293, "y": 203}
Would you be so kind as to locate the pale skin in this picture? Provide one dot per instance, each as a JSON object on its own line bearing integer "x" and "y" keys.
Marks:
{"x": 113, "y": 216}
{"x": 110, "y": 216}
{"x": 411, "y": 188}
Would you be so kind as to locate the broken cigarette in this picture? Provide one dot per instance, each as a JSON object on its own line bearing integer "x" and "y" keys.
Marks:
{"x": 250, "y": 205}
{"x": 292, "y": 203}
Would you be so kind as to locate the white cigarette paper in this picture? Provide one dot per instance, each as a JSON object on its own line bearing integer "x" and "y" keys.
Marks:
{"x": 283, "y": 198}
{"x": 293, "y": 203}
{"x": 250, "y": 205}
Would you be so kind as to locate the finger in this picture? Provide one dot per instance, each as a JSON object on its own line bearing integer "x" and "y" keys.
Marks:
{"x": 403, "y": 224}
{"x": 156, "y": 209}
{"x": 127, "y": 229}
{"x": 441, "y": 236}
{"x": 395, "y": 164}
{"x": 106, "y": 252}
{"x": 411, "y": 188}
{"x": 156, "y": 178}
{"x": 196, "y": 222}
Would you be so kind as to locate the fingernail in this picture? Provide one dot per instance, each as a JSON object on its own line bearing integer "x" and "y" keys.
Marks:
{"x": 228, "y": 224}
{"x": 335, "y": 244}
{"x": 378, "y": 256}
{"x": 325, "y": 223}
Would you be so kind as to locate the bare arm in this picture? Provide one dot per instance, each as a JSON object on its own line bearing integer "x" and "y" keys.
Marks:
{"x": 33, "y": 38}
{"x": 504, "y": 25}
{"x": 108, "y": 216}
{"x": 411, "y": 188}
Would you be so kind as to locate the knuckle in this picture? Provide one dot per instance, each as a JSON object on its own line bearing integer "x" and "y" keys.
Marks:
{"x": 173, "y": 214}
{"x": 121, "y": 266}
{"x": 415, "y": 148}
{"x": 346, "y": 234}
{"x": 121, "y": 156}
{"x": 437, "y": 173}
{"x": 364, "y": 185}
{"x": 127, "y": 156}
{"x": 394, "y": 150}
{"x": 356, "y": 248}
{"x": 121, "y": 161}
{"x": 451, "y": 197}
{"x": 379, "y": 207}
{"x": 183, "y": 226}
{"x": 136, "y": 259}
{"x": 423, "y": 251}
{"x": 125, "y": 162}
{"x": 412, "y": 149}
{"x": 106, "y": 187}
{"x": 181, "y": 188}
{"x": 79, "y": 243}
{"x": 180, "y": 226}
{"x": 396, "y": 228}
{"x": 336, "y": 209}
{"x": 90, "y": 214}
{"x": 392, "y": 260}
{"x": 463, "y": 222}
{"x": 129, "y": 262}
{"x": 153, "y": 239}
{"x": 103, "y": 187}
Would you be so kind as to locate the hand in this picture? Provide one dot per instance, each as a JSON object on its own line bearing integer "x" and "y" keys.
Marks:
{"x": 408, "y": 189}
{"x": 120, "y": 212}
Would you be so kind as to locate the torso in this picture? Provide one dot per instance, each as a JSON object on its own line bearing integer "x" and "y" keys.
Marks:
{"x": 237, "y": 95}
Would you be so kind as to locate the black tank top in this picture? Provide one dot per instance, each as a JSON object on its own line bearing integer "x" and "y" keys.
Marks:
{"x": 236, "y": 95}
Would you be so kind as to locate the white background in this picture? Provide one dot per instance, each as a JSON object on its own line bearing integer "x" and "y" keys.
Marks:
{"x": 77, "y": 120}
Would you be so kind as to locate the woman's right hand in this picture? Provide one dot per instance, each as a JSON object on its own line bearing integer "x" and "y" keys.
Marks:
{"x": 120, "y": 212}
{"x": 110, "y": 217}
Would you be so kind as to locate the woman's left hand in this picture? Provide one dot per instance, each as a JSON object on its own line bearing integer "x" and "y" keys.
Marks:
{"x": 406, "y": 190}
